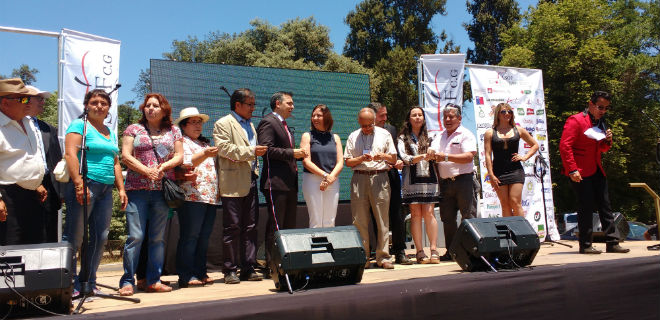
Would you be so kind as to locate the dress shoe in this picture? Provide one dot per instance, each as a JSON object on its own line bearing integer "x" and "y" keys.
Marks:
{"x": 616, "y": 248}
{"x": 232, "y": 278}
{"x": 590, "y": 250}
{"x": 446, "y": 257}
{"x": 252, "y": 276}
{"x": 386, "y": 265}
{"x": 402, "y": 259}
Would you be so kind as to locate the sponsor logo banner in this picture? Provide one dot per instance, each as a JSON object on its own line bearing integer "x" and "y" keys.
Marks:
{"x": 442, "y": 84}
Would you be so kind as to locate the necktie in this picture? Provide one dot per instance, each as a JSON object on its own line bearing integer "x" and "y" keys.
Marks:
{"x": 288, "y": 133}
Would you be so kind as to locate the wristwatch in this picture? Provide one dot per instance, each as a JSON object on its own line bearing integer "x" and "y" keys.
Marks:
{"x": 446, "y": 157}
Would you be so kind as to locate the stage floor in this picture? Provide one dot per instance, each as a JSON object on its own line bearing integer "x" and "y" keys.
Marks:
{"x": 548, "y": 255}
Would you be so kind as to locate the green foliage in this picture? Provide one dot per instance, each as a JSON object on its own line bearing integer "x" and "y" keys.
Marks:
{"x": 588, "y": 45}
{"x": 489, "y": 19}
{"x": 50, "y": 110}
{"x": 25, "y": 73}
{"x": 118, "y": 220}
{"x": 389, "y": 36}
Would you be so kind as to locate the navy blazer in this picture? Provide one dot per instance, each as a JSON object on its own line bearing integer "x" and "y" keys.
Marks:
{"x": 279, "y": 172}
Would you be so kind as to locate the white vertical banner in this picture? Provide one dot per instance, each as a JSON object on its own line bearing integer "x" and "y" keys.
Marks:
{"x": 88, "y": 62}
{"x": 523, "y": 90}
{"x": 441, "y": 83}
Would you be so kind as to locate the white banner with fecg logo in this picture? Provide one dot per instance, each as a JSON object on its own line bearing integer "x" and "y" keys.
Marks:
{"x": 523, "y": 90}
{"x": 88, "y": 62}
{"x": 441, "y": 83}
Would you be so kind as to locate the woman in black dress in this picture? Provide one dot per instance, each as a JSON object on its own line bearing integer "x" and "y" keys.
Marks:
{"x": 504, "y": 168}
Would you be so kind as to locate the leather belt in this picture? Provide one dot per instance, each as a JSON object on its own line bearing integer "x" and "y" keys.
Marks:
{"x": 452, "y": 179}
{"x": 370, "y": 172}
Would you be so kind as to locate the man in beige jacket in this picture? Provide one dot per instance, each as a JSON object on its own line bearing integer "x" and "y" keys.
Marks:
{"x": 238, "y": 170}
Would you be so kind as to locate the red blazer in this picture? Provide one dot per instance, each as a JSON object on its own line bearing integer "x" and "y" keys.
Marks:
{"x": 578, "y": 152}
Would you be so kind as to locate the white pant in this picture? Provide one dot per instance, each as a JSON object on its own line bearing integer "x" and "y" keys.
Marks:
{"x": 321, "y": 205}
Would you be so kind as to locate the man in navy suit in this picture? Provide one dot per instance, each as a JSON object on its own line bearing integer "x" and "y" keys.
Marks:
{"x": 279, "y": 176}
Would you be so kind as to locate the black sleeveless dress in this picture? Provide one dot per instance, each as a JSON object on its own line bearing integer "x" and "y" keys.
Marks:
{"x": 507, "y": 171}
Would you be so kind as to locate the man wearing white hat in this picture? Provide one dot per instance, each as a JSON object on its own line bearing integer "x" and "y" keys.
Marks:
{"x": 21, "y": 216}
{"x": 50, "y": 148}
{"x": 238, "y": 170}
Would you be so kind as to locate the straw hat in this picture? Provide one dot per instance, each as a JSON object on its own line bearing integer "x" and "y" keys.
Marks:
{"x": 190, "y": 112}
{"x": 15, "y": 86}
{"x": 44, "y": 94}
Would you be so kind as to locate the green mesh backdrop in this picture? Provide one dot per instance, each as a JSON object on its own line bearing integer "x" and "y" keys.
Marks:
{"x": 198, "y": 84}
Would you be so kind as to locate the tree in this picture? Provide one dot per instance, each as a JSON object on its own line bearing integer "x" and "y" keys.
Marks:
{"x": 25, "y": 73}
{"x": 489, "y": 19}
{"x": 388, "y": 35}
{"x": 587, "y": 45}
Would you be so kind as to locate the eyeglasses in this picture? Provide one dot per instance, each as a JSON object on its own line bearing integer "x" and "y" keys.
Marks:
{"x": 22, "y": 100}
{"x": 506, "y": 111}
{"x": 367, "y": 125}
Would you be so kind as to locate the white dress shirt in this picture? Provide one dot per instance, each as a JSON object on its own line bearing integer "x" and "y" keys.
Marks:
{"x": 21, "y": 161}
{"x": 460, "y": 141}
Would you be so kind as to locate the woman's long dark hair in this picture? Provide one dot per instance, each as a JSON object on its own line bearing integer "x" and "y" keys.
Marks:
{"x": 96, "y": 92}
{"x": 423, "y": 140}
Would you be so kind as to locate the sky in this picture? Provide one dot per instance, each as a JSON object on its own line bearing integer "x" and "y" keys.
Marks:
{"x": 146, "y": 29}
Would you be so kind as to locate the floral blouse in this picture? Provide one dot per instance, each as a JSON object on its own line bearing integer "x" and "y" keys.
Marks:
{"x": 205, "y": 188}
{"x": 144, "y": 152}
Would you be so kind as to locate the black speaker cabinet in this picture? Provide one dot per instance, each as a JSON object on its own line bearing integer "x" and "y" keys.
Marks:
{"x": 506, "y": 243}
{"x": 318, "y": 257}
{"x": 41, "y": 273}
{"x": 621, "y": 227}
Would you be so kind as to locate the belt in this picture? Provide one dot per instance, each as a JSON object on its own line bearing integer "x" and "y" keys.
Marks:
{"x": 370, "y": 172}
{"x": 454, "y": 178}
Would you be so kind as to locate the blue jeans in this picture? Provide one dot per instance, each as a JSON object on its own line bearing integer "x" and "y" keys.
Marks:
{"x": 145, "y": 206}
{"x": 196, "y": 223}
{"x": 99, "y": 213}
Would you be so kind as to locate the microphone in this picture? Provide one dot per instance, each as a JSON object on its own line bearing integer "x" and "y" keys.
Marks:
{"x": 226, "y": 91}
{"x": 117, "y": 86}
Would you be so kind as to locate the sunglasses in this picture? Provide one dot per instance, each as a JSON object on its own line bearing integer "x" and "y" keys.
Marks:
{"x": 22, "y": 100}
{"x": 506, "y": 111}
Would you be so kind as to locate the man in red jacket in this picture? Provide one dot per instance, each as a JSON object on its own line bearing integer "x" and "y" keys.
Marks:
{"x": 584, "y": 138}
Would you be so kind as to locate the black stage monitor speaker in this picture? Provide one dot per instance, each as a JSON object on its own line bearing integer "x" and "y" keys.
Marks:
{"x": 622, "y": 229}
{"x": 506, "y": 243}
{"x": 318, "y": 257}
{"x": 41, "y": 273}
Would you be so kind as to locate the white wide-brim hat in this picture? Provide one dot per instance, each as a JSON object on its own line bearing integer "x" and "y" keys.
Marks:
{"x": 44, "y": 94}
{"x": 190, "y": 112}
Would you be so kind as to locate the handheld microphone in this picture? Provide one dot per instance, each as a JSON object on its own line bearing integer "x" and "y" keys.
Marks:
{"x": 226, "y": 91}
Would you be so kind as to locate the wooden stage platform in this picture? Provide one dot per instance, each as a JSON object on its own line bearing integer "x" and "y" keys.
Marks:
{"x": 550, "y": 256}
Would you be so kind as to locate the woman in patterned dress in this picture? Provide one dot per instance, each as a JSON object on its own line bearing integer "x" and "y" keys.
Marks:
{"x": 197, "y": 215}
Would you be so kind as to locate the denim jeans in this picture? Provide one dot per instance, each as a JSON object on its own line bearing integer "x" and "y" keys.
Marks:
{"x": 196, "y": 223}
{"x": 99, "y": 212}
{"x": 145, "y": 207}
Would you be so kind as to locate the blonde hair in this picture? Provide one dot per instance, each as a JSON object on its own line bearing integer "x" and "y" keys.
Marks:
{"x": 496, "y": 119}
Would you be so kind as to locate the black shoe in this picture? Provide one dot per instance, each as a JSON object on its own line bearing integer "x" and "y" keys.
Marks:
{"x": 446, "y": 257}
{"x": 232, "y": 278}
{"x": 402, "y": 259}
{"x": 252, "y": 276}
{"x": 616, "y": 248}
{"x": 589, "y": 250}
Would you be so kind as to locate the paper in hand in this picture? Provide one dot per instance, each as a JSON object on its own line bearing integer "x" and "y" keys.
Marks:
{"x": 595, "y": 133}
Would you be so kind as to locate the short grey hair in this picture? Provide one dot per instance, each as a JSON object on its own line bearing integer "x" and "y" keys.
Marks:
{"x": 367, "y": 110}
{"x": 452, "y": 107}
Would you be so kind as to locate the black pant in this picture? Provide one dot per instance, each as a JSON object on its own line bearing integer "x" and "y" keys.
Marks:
{"x": 397, "y": 220}
{"x": 239, "y": 220}
{"x": 457, "y": 195}
{"x": 285, "y": 204}
{"x": 592, "y": 195}
{"x": 26, "y": 218}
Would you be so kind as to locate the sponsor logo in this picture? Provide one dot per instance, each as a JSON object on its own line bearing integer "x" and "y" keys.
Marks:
{"x": 479, "y": 100}
{"x": 492, "y": 206}
{"x": 487, "y": 178}
{"x": 530, "y": 129}
{"x": 481, "y": 137}
{"x": 483, "y": 125}
{"x": 540, "y": 129}
{"x": 525, "y": 203}
{"x": 530, "y": 111}
{"x": 490, "y": 194}
{"x": 526, "y": 91}
{"x": 540, "y": 112}
{"x": 527, "y": 164}
{"x": 540, "y": 137}
{"x": 542, "y": 147}
{"x": 547, "y": 190}
{"x": 537, "y": 216}
{"x": 530, "y": 175}
{"x": 497, "y": 100}
{"x": 521, "y": 111}
{"x": 490, "y": 90}
{"x": 540, "y": 121}
{"x": 530, "y": 187}
{"x": 528, "y": 121}
{"x": 526, "y": 146}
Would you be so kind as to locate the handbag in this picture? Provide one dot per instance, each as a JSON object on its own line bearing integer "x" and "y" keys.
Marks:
{"x": 61, "y": 171}
{"x": 172, "y": 192}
